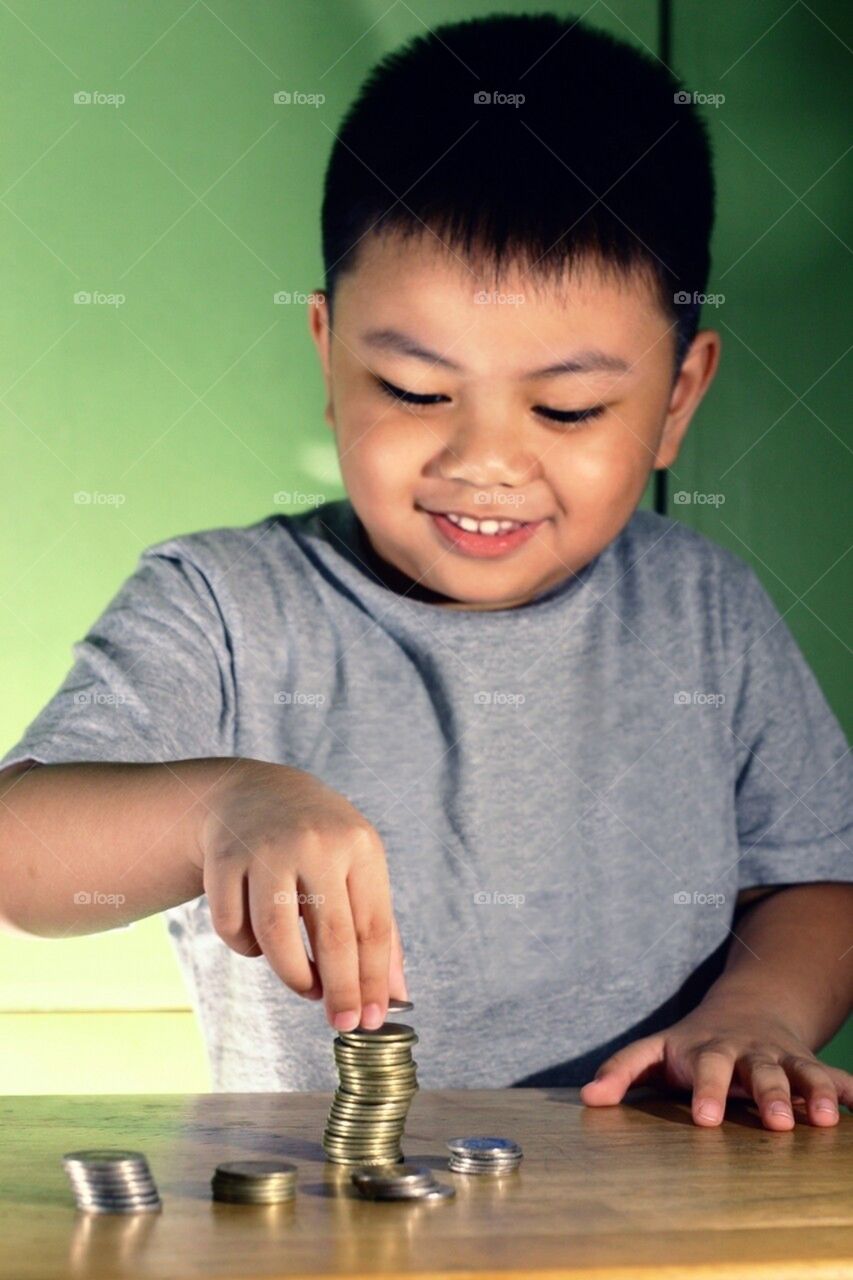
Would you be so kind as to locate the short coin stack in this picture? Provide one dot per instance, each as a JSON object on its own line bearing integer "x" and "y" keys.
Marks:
{"x": 254, "y": 1181}
{"x": 483, "y": 1155}
{"x": 400, "y": 1182}
{"x": 376, "y": 1084}
{"x": 110, "y": 1181}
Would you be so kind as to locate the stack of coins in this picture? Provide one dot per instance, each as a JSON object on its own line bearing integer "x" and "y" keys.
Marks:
{"x": 377, "y": 1081}
{"x": 483, "y": 1155}
{"x": 110, "y": 1181}
{"x": 254, "y": 1181}
{"x": 400, "y": 1182}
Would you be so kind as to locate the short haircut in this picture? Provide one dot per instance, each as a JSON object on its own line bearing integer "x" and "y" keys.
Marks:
{"x": 605, "y": 159}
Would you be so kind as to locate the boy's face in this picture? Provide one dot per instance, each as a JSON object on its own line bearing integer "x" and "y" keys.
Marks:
{"x": 489, "y": 446}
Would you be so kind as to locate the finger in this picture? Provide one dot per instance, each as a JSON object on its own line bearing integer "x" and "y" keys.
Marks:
{"x": 769, "y": 1086}
{"x": 316, "y": 992}
{"x": 397, "y": 979}
{"x": 335, "y": 952}
{"x": 712, "y": 1073}
{"x": 843, "y": 1081}
{"x": 370, "y": 899}
{"x": 275, "y": 919}
{"x": 630, "y": 1065}
{"x": 816, "y": 1086}
{"x": 225, "y": 884}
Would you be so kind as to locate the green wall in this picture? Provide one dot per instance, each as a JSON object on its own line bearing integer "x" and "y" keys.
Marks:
{"x": 194, "y": 400}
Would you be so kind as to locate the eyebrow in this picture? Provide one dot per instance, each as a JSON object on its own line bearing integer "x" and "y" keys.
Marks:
{"x": 591, "y": 360}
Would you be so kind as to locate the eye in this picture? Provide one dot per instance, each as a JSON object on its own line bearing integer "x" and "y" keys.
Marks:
{"x": 571, "y": 415}
{"x": 408, "y": 397}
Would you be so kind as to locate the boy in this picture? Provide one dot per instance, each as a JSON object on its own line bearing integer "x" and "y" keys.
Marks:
{"x": 573, "y": 737}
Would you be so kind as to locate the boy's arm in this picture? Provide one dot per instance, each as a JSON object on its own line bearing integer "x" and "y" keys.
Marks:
{"x": 792, "y": 955}
{"x": 89, "y": 846}
{"x": 786, "y": 988}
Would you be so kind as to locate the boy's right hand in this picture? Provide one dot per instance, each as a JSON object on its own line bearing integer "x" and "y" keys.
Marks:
{"x": 275, "y": 842}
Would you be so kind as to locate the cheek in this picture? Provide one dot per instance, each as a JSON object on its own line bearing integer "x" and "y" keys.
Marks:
{"x": 381, "y": 450}
{"x": 596, "y": 463}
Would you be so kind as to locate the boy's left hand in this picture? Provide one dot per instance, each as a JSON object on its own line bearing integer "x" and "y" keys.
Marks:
{"x": 726, "y": 1050}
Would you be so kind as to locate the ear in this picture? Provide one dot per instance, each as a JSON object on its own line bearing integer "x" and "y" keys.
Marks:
{"x": 694, "y": 378}
{"x": 318, "y": 327}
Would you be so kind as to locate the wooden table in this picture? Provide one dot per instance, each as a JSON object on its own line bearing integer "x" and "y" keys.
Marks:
{"x": 636, "y": 1190}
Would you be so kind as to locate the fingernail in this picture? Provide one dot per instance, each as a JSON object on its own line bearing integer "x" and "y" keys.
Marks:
{"x": 826, "y": 1104}
{"x": 346, "y": 1021}
{"x": 371, "y": 1016}
{"x": 779, "y": 1109}
{"x": 710, "y": 1110}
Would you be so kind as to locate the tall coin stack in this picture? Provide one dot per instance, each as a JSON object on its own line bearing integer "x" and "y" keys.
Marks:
{"x": 110, "y": 1181}
{"x": 377, "y": 1081}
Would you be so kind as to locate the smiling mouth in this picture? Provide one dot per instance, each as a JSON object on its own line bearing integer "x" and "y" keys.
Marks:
{"x": 484, "y": 537}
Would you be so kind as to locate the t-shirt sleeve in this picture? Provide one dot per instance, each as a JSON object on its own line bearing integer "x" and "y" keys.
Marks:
{"x": 151, "y": 680}
{"x": 794, "y": 784}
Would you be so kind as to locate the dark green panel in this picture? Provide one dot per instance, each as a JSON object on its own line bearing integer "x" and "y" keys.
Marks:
{"x": 772, "y": 438}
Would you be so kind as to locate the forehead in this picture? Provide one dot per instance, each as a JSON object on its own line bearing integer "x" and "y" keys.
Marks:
{"x": 421, "y": 287}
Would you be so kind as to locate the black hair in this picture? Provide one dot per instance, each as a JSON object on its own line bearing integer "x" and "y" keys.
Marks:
{"x": 606, "y": 158}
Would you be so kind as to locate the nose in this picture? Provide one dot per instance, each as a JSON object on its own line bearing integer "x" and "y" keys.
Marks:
{"x": 486, "y": 454}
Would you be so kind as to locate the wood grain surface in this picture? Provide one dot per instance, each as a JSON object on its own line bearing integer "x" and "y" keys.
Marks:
{"x": 630, "y": 1191}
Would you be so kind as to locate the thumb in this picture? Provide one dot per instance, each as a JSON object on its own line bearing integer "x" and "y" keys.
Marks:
{"x": 396, "y": 977}
{"x": 630, "y": 1065}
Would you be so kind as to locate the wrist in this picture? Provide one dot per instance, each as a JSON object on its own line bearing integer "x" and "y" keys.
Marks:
{"x": 758, "y": 996}
{"x": 206, "y": 781}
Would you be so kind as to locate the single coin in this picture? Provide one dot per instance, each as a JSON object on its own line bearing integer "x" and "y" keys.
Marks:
{"x": 109, "y": 1157}
{"x": 388, "y": 1033}
{"x": 394, "y": 1175}
{"x": 256, "y": 1168}
{"x": 441, "y": 1191}
{"x": 485, "y": 1146}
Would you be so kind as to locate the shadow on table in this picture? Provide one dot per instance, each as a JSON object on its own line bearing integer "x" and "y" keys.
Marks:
{"x": 673, "y": 1107}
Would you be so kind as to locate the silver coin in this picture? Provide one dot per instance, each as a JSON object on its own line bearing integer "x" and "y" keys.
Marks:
{"x": 481, "y": 1171}
{"x": 394, "y": 1175}
{"x": 486, "y": 1146}
{"x": 441, "y": 1191}
{"x": 141, "y": 1208}
{"x": 106, "y": 1158}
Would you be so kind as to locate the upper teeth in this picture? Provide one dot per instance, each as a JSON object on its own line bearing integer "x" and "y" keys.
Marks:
{"x": 490, "y": 526}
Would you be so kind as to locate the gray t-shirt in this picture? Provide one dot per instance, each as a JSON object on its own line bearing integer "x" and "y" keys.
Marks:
{"x": 570, "y": 793}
